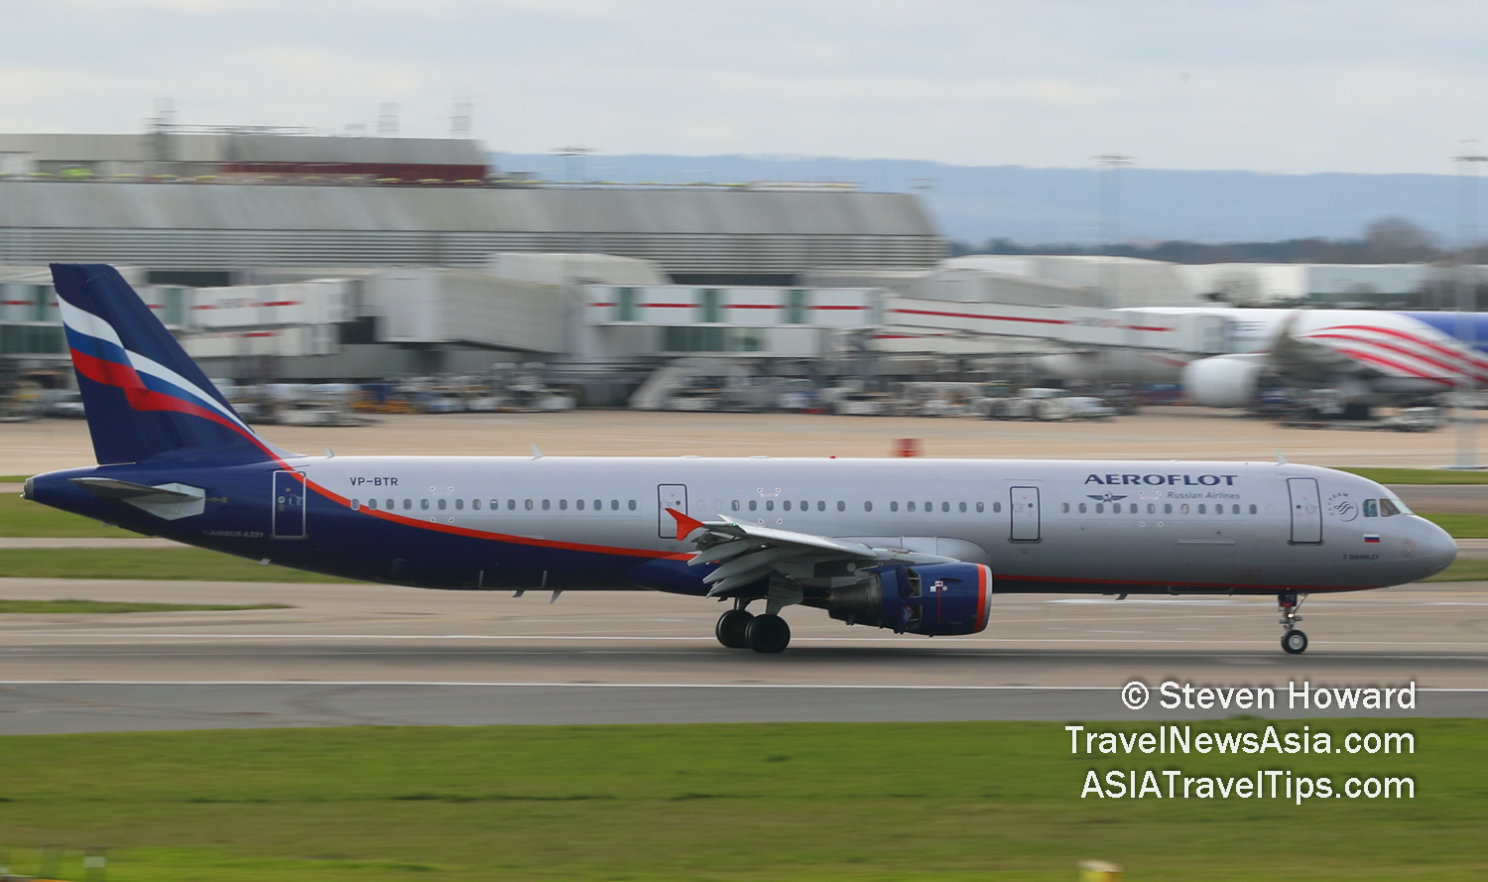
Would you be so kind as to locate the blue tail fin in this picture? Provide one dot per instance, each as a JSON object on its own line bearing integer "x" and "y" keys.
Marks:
{"x": 144, "y": 396}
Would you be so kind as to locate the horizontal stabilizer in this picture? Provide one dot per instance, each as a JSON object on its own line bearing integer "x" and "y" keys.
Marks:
{"x": 112, "y": 488}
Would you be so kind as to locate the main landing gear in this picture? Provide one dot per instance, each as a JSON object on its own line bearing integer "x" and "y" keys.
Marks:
{"x": 740, "y": 629}
{"x": 1292, "y": 639}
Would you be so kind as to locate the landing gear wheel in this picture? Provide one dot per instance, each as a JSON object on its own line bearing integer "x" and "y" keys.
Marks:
{"x": 1294, "y": 642}
{"x": 732, "y": 628}
{"x": 768, "y": 634}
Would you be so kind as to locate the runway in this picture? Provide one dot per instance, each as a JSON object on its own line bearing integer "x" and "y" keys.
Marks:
{"x": 364, "y": 655}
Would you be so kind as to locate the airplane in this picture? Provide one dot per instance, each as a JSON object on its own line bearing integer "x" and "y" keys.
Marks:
{"x": 909, "y": 545}
{"x": 1372, "y": 357}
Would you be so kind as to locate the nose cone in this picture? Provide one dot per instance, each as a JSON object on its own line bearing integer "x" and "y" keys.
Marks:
{"x": 1439, "y": 549}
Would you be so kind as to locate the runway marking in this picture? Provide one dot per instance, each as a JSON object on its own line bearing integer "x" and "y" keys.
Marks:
{"x": 534, "y": 684}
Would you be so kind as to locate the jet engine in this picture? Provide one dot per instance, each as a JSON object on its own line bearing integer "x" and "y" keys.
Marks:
{"x": 1223, "y": 381}
{"x": 935, "y": 599}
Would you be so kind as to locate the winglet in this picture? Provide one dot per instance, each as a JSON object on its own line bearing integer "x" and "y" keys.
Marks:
{"x": 685, "y": 524}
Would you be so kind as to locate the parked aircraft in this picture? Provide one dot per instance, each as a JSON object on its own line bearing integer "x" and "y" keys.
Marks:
{"x": 1370, "y": 356}
{"x": 914, "y": 545}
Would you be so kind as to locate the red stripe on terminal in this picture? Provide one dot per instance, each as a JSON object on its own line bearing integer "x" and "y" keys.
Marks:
{"x": 835, "y": 306}
{"x": 995, "y": 318}
{"x": 752, "y": 306}
{"x": 667, "y": 305}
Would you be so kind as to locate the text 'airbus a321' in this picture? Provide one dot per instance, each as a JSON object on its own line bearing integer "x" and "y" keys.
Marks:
{"x": 912, "y": 545}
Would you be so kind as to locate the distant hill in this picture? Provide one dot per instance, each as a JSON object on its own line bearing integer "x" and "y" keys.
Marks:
{"x": 1041, "y": 205}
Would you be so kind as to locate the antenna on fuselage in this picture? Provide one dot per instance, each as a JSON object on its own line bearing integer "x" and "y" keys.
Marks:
{"x": 536, "y": 454}
{"x": 1280, "y": 458}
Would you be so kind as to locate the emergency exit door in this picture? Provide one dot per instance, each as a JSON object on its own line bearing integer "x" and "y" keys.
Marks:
{"x": 1307, "y": 511}
{"x": 1024, "y": 508}
{"x": 669, "y": 496}
{"x": 289, "y": 505}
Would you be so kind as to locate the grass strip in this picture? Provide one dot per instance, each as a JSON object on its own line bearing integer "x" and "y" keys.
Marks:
{"x": 13, "y": 479}
{"x": 32, "y": 520}
{"x": 1463, "y": 571}
{"x": 1461, "y": 526}
{"x": 1421, "y": 476}
{"x": 932, "y": 801}
{"x": 108, "y": 606}
{"x": 145, "y": 563}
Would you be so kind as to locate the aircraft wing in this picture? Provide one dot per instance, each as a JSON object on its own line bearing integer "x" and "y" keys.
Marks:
{"x": 1305, "y": 357}
{"x": 747, "y": 553}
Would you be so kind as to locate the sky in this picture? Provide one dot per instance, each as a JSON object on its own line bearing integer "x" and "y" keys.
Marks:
{"x": 1291, "y": 87}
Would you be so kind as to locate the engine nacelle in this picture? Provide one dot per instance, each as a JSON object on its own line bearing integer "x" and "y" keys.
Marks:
{"x": 943, "y": 599}
{"x": 1223, "y": 381}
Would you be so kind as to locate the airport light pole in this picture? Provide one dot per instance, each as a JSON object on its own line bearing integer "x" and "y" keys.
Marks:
{"x": 1467, "y": 295}
{"x": 573, "y": 156}
{"x": 1110, "y": 210}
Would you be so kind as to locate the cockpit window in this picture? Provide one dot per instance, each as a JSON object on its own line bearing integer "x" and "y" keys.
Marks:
{"x": 1388, "y": 508}
{"x": 1371, "y": 508}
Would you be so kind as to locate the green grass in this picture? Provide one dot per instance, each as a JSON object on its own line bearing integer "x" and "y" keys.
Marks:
{"x": 24, "y": 518}
{"x": 950, "y": 801}
{"x": 145, "y": 563}
{"x": 105, "y": 606}
{"x": 1421, "y": 476}
{"x": 13, "y": 479}
{"x": 1463, "y": 571}
{"x": 1461, "y": 526}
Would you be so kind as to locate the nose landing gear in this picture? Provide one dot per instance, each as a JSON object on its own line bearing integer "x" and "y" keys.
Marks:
{"x": 1293, "y": 641}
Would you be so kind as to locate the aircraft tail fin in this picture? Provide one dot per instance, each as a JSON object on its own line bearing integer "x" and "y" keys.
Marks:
{"x": 144, "y": 396}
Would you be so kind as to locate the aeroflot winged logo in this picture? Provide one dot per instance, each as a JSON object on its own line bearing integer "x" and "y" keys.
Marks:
{"x": 1164, "y": 480}
{"x": 1107, "y": 497}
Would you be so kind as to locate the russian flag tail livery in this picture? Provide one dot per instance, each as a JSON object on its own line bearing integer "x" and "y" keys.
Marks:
{"x": 145, "y": 398}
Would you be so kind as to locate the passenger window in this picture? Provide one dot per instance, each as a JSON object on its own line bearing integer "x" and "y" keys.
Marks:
{"x": 945, "y": 506}
{"x": 527, "y": 504}
{"x": 372, "y": 504}
{"x": 1082, "y": 508}
{"x": 841, "y": 506}
{"x": 563, "y": 505}
{"x": 1252, "y": 509}
{"x": 1116, "y": 508}
{"x": 893, "y": 506}
{"x": 1167, "y": 508}
{"x": 1201, "y": 508}
{"x": 443, "y": 504}
{"x": 910, "y": 507}
{"x": 1152, "y": 508}
{"x": 1388, "y": 509}
{"x": 614, "y": 505}
{"x": 579, "y": 504}
{"x": 821, "y": 505}
{"x": 407, "y": 504}
{"x": 735, "y": 505}
{"x": 1065, "y": 508}
{"x": 1371, "y": 508}
{"x": 867, "y": 506}
{"x": 929, "y": 507}
{"x": 547, "y": 505}
{"x": 598, "y": 504}
{"x": 786, "y": 504}
{"x": 769, "y": 505}
{"x": 632, "y": 505}
{"x": 511, "y": 505}
{"x": 806, "y": 506}
{"x": 1183, "y": 509}
{"x": 963, "y": 508}
{"x": 980, "y": 507}
{"x": 356, "y": 505}
{"x": 996, "y": 506}
{"x": 475, "y": 504}
{"x": 753, "y": 505}
{"x": 390, "y": 505}
{"x": 424, "y": 504}
{"x": 459, "y": 505}
{"x": 1100, "y": 508}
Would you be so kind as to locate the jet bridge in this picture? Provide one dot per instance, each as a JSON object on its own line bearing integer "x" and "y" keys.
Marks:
{"x": 1071, "y": 326}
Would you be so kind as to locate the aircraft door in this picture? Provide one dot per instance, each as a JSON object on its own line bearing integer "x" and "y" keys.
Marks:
{"x": 1307, "y": 511}
{"x": 669, "y": 496}
{"x": 289, "y": 505}
{"x": 1024, "y": 508}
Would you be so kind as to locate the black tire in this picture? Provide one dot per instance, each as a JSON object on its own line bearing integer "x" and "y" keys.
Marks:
{"x": 1294, "y": 642}
{"x": 768, "y": 634}
{"x": 732, "y": 628}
